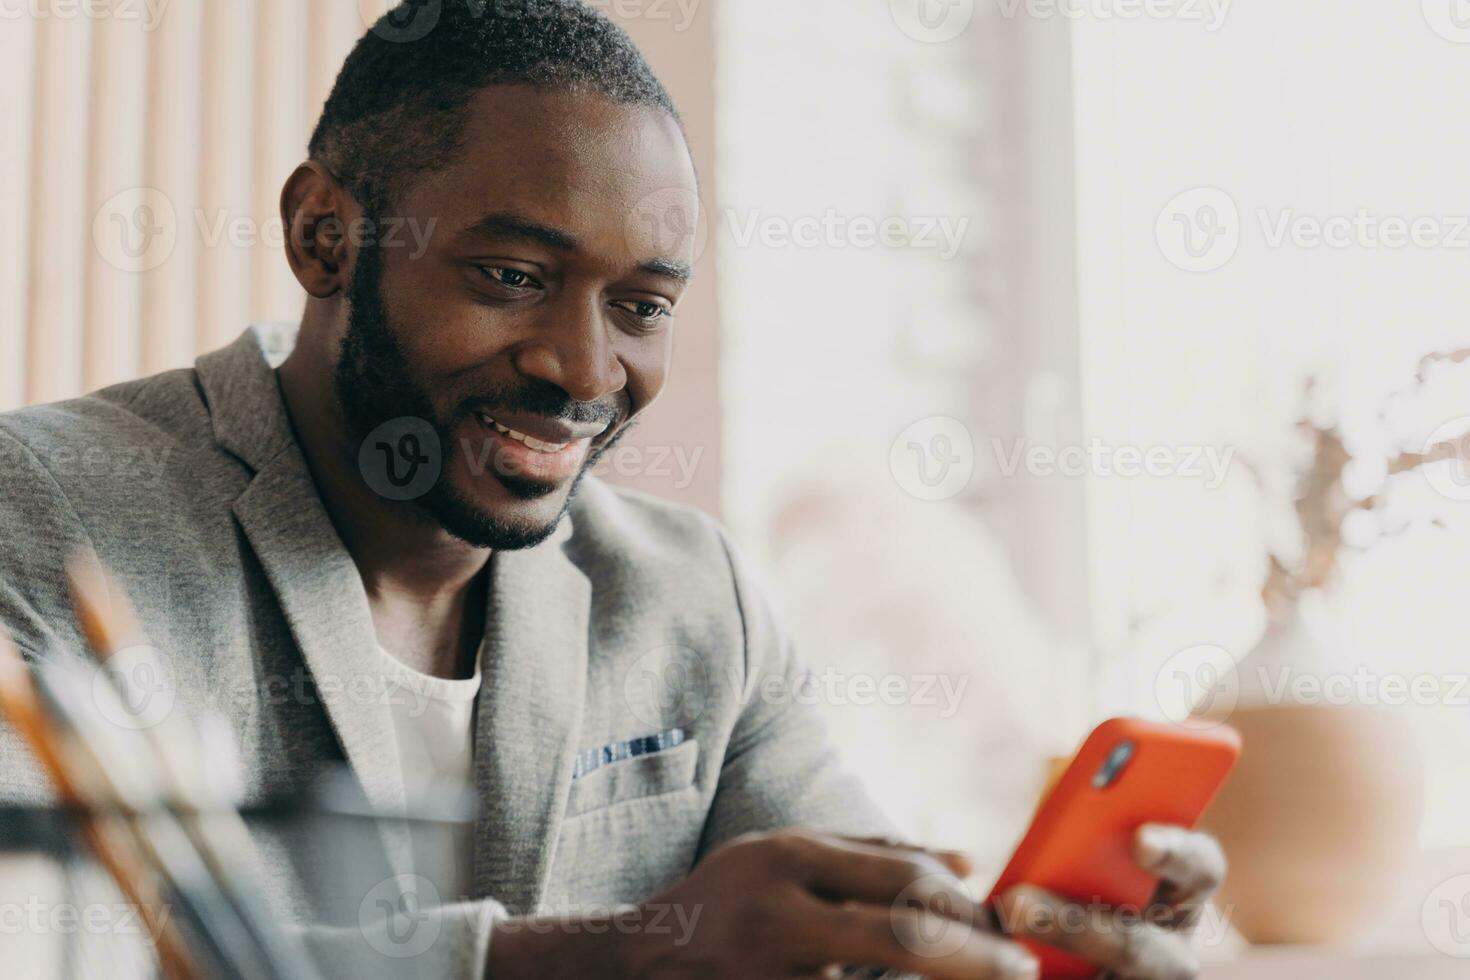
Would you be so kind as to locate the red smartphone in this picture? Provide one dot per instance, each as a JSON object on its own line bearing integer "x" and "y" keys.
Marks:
{"x": 1080, "y": 845}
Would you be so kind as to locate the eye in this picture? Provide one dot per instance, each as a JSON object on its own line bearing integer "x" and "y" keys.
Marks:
{"x": 510, "y": 278}
{"x": 646, "y": 311}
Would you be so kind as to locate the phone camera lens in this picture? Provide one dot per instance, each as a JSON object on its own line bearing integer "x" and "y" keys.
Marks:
{"x": 1114, "y": 765}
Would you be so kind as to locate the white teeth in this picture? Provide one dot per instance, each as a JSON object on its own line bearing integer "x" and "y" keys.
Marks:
{"x": 528, "y": 441}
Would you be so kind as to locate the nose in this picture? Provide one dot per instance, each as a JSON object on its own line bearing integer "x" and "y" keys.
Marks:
{"x": 573, "y": 349}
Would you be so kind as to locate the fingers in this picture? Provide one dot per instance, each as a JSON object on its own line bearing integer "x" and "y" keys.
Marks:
{"x": 896, "y": 906}
{"x": 1123, "y": 942}
{"x": 956, "y": 861}
{"x": 1191, "y": 868}
{"x": 933, "y": 927}
{"x": 914, "y": 940}
{"x": 843, "y": 869}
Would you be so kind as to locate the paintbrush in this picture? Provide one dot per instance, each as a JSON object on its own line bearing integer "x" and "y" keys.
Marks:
{"x": 104, "y": 835}
{"x": 215, "y": 829}
{"x": 121, "y": 784}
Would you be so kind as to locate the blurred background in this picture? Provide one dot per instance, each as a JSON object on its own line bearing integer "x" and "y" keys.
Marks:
{"x": 1051, "y": 359}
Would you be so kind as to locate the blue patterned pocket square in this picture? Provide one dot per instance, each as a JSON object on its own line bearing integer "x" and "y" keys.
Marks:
{"x": 590, "y": 759}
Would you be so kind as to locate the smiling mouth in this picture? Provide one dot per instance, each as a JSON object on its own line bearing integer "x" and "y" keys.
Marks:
{"x": 530, "y": 442}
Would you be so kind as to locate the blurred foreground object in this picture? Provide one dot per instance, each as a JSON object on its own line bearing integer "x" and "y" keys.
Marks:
{"x": 151, "y": 799}
{"x": 140, "y": 791}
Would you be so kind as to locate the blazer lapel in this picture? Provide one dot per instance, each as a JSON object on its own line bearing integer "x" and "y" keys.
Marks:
{"x": 310, "y": 570}
{"x": 529, "y": 716}
{"x": 326, "y": 606}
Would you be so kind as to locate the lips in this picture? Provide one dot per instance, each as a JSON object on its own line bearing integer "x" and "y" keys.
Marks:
{"x": 545, "y": 454}
{"x": 542, "y": 428}
{"x": 525, "y": 439}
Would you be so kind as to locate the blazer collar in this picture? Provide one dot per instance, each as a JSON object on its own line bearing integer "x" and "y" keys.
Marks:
{"x": 244, "y": 397}
{"x": 534, "y": 666}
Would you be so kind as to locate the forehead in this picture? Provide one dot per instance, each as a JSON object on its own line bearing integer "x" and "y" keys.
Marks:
{"x": 567, "y": 159}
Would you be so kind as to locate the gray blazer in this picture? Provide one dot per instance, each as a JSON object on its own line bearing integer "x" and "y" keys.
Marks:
{"x": 636, "y": 617}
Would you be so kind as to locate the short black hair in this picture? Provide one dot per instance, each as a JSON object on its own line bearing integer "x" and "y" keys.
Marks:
{"x": 397, "y": 108}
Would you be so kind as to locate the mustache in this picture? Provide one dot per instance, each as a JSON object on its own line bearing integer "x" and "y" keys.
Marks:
{"x": 546, "y": 399}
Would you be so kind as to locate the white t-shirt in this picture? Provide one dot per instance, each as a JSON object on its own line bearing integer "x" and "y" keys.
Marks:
{"x": 433, "y": 719}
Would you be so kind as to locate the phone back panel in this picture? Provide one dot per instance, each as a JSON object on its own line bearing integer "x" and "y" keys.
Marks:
{"x": 1080, "y": 844}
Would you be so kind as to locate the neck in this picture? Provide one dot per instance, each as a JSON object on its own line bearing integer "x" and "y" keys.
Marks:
{"x": 407, "y": 561}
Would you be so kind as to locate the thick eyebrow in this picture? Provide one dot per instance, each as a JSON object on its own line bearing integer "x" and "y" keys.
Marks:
{"x": 677, "y": 271}
{"x": 507, "y": 224}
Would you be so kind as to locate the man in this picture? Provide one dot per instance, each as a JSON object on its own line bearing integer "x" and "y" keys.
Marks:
{"x": 403, "y": 506}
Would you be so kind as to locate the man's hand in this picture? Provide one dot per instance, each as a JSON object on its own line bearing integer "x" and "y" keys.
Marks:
{"x": 1147, "y": 944}
{"x": 787, "y": 904}
{"x": 797, "y": 903}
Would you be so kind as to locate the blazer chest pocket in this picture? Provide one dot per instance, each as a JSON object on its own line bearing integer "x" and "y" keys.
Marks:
{"x": 641, "y": 776}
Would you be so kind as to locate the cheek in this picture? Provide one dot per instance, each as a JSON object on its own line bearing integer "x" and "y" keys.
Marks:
{"x": 648, "y": 366}
{"x": 438, "y": 330}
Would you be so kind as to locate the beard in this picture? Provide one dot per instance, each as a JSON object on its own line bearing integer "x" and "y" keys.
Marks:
{"x": 373, "y": 386}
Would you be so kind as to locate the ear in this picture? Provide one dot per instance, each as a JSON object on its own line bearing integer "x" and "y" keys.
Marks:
{"x": 314, "y": 210}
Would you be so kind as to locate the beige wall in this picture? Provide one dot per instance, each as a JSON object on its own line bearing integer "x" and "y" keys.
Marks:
{"x": 184, "y": 125}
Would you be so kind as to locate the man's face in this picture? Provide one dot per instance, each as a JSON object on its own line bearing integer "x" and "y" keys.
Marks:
{"x": 536, "y": 323}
